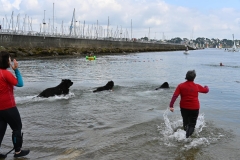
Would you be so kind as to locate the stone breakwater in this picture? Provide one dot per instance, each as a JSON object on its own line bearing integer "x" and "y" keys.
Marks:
{"x": 44, "y": 46}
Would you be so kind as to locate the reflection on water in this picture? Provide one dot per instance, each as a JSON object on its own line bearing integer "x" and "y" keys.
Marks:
{"x": 132, "y": 121}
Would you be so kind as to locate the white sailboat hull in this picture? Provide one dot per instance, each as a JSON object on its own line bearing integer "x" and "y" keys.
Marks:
{"x": 234, "y": 48}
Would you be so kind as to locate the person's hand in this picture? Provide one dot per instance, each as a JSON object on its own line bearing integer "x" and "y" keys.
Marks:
{"x": 171, "y": 109}
{"x": 15, "y": 64}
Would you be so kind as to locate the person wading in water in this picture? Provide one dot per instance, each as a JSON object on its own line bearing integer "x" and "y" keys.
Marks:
{"x": 189, "y": 103}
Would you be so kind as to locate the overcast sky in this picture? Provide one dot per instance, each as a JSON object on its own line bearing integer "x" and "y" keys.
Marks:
{"x": 150, "y": 18}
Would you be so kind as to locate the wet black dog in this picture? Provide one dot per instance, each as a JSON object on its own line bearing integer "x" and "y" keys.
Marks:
{"x": 61, "y": 89}
{"x": 164, "y": 85}
{"x": 108, "y": 86}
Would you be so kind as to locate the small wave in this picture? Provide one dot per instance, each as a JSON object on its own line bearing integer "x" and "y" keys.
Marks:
{"x": 215, "y": 65}
{"x": 69, "y": 154}
{"x": 26, "y": 99}
{"x": 146, "y": 93}
{"x": 174, "y": 135}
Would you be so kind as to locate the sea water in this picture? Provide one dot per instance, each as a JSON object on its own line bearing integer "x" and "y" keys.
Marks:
{"x": 132, "y": 121}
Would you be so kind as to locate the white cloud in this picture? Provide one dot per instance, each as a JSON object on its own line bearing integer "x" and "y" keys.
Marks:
{"x": 5, "y": 6}
{"x": 16, "y": 4}
{"x": 153, "y": 21}
{"x": 174, "y": 21}
{"x": 108, "y": 4}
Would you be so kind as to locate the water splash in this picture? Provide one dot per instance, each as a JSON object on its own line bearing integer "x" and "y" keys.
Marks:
{"x": 168, "y": 128}
{"x": 195, "y": 143}
{"x": 173, "y": 134}
{"x": 27, "y": 99}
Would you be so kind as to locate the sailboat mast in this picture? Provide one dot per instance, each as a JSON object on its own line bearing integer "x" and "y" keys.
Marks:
{"x": 73, "y": 17}
{"x": 53, "y": 19}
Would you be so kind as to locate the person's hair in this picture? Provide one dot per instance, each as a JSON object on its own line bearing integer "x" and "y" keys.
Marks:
{"x": 4, "y": 60}
{"x": 190, "y": 76}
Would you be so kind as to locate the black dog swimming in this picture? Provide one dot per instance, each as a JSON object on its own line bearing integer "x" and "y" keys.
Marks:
{"x": 61, "y": 89}
{"x": 164, "y": 85}
{"x": 108, "y": 86}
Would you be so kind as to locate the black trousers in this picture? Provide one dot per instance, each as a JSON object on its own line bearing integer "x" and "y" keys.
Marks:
{"x": 12, "y": 118}
{"x": 189, "y": 120}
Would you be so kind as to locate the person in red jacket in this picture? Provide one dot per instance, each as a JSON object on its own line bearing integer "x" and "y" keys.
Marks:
{"x": 9, "y": 114}
{"x": 189, "y": 103}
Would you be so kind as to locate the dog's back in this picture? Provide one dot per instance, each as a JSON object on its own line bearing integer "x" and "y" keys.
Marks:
{"x": 164, "y": 85}
{"x": 108, "y": 86}
{"x": 50, "y": 92}
{"x": 62, "y": 88}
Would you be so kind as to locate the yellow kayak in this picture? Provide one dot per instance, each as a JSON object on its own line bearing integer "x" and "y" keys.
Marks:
{"x": 91, "y": 58}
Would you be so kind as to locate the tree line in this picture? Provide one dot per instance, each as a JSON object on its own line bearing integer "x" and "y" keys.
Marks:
{"x": 224, "y": 43}
{"x": 200, "y": 41}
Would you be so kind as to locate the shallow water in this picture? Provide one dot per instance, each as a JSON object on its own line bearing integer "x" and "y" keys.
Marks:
{"x": 131, "y": 122}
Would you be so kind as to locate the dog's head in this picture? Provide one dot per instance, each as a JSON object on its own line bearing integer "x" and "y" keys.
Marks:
{"x": 67, "y": 82}
{"x": 110, "y": 85}
{"x": 165, "y": 85}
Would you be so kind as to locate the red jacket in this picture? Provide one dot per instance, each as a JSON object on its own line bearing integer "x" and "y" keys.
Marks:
{"x": 189, "y": 95}
{"x": 7, "y": 81}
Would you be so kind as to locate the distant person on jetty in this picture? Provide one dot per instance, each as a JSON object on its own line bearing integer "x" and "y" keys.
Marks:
{"x": 9, "y": 114}
{"x": 189, "y": 103}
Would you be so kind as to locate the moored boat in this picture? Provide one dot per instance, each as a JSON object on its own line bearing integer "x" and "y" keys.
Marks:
{"x": 186, "y": 51}
{"x": 234, "y": 48}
